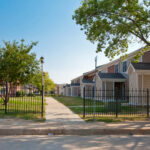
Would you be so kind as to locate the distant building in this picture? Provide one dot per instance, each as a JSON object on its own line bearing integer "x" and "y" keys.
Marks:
{"x": 60, "y": 89}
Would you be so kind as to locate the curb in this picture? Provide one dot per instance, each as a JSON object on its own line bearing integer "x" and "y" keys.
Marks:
{"x": 83, "y": 132}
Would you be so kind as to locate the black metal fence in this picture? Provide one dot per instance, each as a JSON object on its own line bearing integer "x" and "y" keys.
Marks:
{"x": 20, "y": 99}
{"x": 112, "y": 103}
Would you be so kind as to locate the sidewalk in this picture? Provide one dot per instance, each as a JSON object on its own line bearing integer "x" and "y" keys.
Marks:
{"x": 59, "y": 114}
{"x": 61, "y": 120}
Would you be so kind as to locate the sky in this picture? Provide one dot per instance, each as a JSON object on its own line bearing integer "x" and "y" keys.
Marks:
{"x": 64, "y": 46}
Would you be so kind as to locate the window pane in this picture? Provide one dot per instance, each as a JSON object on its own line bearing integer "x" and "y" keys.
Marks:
{"x": 124, "y": 66}
{"x": 116, "y": 68}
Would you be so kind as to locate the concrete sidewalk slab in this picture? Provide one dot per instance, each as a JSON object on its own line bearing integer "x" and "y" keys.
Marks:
{"x": 28, "y": 124}
{"x": 60, "y": 114}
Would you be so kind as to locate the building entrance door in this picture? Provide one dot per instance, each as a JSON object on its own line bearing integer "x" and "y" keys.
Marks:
{"x": 119, "y": 89}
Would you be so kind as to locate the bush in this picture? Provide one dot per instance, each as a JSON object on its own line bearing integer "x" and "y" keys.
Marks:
{"x": 31, "y": 94}
{"x": 20, "y": 93}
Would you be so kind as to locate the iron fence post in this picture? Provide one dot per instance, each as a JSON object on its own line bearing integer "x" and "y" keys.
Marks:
{"x": 6, "y": 97}
{"x": 93, "y": 92}
{"x": 148, "y": 103}
{"x": 84, "y": 102}
{"x": 42, "y": 100}
{"x": 116, "y": 97}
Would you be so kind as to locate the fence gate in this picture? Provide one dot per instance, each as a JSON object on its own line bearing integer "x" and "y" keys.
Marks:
{"x": 17, "y": 99}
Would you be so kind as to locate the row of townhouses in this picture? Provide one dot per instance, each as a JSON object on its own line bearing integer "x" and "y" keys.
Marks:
{"x": 119, "y": 74}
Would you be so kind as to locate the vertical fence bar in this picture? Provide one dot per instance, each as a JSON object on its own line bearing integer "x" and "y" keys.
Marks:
{"x": 84, "y": 102}
{"x": 116, "y": 102}
{"x": 6, "y": 97}
{"x": 93, "y": 99}
{"x": 148, "y": 103}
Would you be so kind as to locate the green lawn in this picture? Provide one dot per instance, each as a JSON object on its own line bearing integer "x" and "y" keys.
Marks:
{"x": 75, "y": 101}
{"x": 23, "y": 107}
{"x": 76, "y": 104}
{"x": 69, "y": 101}
{"x": 105, "y": 114}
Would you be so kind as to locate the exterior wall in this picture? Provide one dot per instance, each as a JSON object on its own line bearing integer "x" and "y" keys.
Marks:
{"x": 111, "y": 69}
{"x": 77, "y": 80}
{"x": 146, "y": 85}
{"x": 146, "y": 80}
{"x": 146, "y": 57}
{"x": 138, "y": 93}
{"x": 109, "y": 90}
{"x": 104, "y": 70}
{"x": 57, "y": 89}
{"x": 88, "y": 88}
{"x": 60, "y": 89}
{"x": 81, "y": 89}
{"x": 75, "y": 91}
{"x": 68, "y": 91}
{"x": 64, "y": 91}
{"x": 143, "y": 88}
{"x": 89, "y": 91}
{"x": 132, "y": 79}
{"x": 98, "y": 85}
{"x": 140, "y": 82}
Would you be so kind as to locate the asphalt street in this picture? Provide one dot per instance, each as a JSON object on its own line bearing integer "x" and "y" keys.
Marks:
{"x": 51, "y": 142}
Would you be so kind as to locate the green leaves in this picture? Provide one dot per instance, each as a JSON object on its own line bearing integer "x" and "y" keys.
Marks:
{"x": 37, "y": 81}
{"x": 112, "y": 23}
{"x": 17, "y": 63}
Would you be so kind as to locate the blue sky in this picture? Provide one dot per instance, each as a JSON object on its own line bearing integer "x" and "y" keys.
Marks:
{"x": 66, "y": 51}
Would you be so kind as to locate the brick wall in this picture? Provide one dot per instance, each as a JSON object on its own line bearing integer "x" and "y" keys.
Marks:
{"x": 111, "y": 69}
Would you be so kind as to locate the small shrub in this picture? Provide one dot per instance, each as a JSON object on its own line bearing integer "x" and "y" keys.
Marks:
{"x": 31, "y": 94}
{"x": 20, "y": 93}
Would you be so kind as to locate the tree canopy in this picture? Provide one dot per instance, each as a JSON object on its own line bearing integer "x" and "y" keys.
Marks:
{"x": 114, "y": 24}
{"x": 17, "y": 63}
{"x": 37, "y": 81}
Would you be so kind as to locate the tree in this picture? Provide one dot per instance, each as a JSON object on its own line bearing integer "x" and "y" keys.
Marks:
{"x": 37, "y": 81}
{"x": 17, "y": 63}
{"x": 114, "y": 24}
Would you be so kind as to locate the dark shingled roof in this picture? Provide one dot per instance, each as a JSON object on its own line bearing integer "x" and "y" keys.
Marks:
{"x": 68, "y": 85}
{"x": 87, "y": 81}
{"x": 141, "y": 66}
{"x": 111, "y": 75}
{"x": 75, "y": 84}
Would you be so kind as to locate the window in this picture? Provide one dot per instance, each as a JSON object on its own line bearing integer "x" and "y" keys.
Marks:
{"x": 124, "y": 66}
{"x": 116, "y": 68}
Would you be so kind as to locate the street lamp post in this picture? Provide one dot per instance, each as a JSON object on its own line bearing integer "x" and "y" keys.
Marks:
{"x": 95, "y": 88}
{"x": 42, "y": 62}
